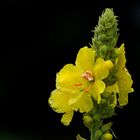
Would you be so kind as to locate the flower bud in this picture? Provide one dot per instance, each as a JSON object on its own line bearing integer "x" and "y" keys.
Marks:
{"x": 98, "y": 134}
{"x": 105, "y": 32}
{"x": 103, "y": 49}
{"x": 106, "y": 127}
{"x": 107, "y": 136}
{"x": 88, "y": 120}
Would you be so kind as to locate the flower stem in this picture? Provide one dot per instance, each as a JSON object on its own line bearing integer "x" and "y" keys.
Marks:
{"x": 95, "y": 130}
{"x": 92, "y": 135}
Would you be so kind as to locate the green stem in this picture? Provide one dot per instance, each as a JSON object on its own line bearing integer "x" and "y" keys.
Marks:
{"x": 95, "y": 130}
{"x": 92, "y": 135}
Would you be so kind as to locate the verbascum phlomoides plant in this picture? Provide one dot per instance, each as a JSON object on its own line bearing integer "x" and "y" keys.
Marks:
{"x": 96, "y": 83}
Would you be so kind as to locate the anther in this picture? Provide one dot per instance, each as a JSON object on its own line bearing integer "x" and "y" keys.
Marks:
{"x": 88, "y": 75}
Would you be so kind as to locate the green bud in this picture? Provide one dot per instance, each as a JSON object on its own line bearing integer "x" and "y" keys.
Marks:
{"x": 106, "y": 127}
{"x": 114, "y": 55}
{"x": 98, "y": 134}
{"x": 107, "y": 136}
{"x": 105, "y": 34}
{"x": 103, "y": 101}
{"x": 103, "y": 49}
{"x": 97, "y": 117}
{"x": 88, "y": 121}
{"x": 106, "y": 95}
{"x": 111, "y": 79}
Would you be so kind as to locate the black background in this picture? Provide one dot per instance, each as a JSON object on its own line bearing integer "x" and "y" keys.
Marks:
{"x": 37, "y": 40}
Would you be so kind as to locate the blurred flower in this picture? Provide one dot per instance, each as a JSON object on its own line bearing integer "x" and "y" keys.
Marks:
{"x": 77, "y": 84}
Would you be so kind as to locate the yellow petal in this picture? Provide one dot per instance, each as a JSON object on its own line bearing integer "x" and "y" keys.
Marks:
{"x": 67, "y": 117}
{"x": 101, "y": 68}
{"x": 81, "y": 102}
{"x": 98, "y": 88}
{"x": 113, "y": 88}
{"x": 59, "y": 102}
{"x": 108, "y": 64}
{"x": 85, "y": 59}
{"x": 121, "y": 57}
{"x": 125, "y": 86}
{"x": 69, "y": 79}
{"x": 124, "y": 78}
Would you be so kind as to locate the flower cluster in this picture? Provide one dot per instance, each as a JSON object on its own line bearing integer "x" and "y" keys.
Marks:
{"x": 79, "y": 86}
{"x": 97, "y": 82}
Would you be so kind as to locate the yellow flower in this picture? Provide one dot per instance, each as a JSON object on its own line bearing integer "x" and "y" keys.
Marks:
{"x": 123, "y": 86}
{"x": 77, "y": 84}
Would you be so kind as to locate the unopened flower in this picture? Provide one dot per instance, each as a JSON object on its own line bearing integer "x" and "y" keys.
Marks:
{"x": 107, "y": 136}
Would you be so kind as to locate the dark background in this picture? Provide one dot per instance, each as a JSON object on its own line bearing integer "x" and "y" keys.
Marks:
{"x": 37, "y": 39}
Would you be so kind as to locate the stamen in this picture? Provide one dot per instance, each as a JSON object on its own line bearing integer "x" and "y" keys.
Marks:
{"x": 88, "y": 75}
{"x": 78, "y": 84}
{"x": 88, "y": 88}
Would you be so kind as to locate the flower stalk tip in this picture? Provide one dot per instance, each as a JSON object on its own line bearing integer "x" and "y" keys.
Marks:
{"x": 106, "y": 34}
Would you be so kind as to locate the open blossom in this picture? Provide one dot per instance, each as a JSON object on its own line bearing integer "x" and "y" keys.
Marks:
{"x": 78, "y": 85}
{"x": 123, "y": 86}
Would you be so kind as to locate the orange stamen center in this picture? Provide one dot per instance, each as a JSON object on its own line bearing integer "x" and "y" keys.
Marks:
{"x": 88, "y": 75}
{"x": 78, "y": 84}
